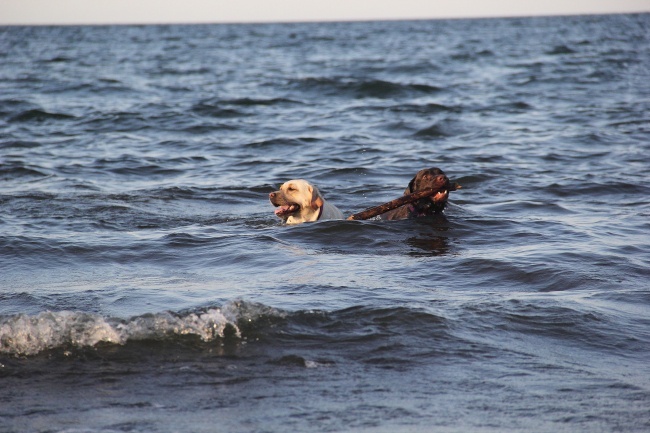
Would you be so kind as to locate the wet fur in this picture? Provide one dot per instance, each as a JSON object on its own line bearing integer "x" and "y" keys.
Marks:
{"x": 311, "y": 206}
{"x": 424, "y": 179}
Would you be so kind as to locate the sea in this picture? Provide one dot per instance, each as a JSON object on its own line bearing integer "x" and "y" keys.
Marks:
{"x": 146, "y": 284}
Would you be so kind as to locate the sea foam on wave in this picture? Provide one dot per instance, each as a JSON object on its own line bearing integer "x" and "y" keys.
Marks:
{"x": 22, "y": 334}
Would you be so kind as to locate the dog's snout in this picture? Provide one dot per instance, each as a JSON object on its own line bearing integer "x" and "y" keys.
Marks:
{"x": 441, "y": 178}
{"x": 271, "y": 195}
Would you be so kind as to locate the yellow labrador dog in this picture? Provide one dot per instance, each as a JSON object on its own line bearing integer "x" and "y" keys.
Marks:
{"x": 298, "y": 201}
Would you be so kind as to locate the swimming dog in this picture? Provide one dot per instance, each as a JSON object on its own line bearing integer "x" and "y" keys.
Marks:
{"x": 297, "y": 201}
{"x": 428, "y": 178}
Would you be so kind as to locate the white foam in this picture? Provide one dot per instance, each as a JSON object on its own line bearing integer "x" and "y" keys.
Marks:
{"x": 28, "y": 335}
{"x": 23, "y": 334}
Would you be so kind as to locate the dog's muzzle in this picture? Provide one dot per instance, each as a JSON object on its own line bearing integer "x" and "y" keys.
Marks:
{"x": 284, "y": 208}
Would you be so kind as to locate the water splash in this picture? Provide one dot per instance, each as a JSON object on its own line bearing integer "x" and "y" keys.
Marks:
{"x": 24, "y": 334}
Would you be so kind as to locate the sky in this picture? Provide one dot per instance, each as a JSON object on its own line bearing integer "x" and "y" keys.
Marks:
{"x": 29, "y": 12}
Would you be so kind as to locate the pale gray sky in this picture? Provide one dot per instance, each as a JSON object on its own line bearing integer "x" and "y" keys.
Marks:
{"x": 201, "y": 11}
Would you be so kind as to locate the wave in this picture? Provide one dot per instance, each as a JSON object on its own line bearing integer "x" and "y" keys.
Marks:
{"x": 372, "y": 88}
{"x": 23, "y": 334}
{"x": 12, "y": 105}
{"x": 431, "y": 108}
{"x": 20, "y": 170}
{"x": 560, "y": 49}
{"x": 19, "y": 144}
{"x": 225, "y": 108}
{"x": 38, "y": 115}
{"x": 247, "y": 102}
{"x": 138, "y": 166}
{"x": 210, "y": 109}
{"x": 598, "y": 190}
{"x": 441, "y": 129}
{"x": 281, "y": 142}
{"x": 69, "y": 331}
{"x": 364, "y": 332}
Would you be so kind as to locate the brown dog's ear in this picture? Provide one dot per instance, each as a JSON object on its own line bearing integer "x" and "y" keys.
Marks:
{"x": 409, "y": 189}
{"x": 316, "y": 199}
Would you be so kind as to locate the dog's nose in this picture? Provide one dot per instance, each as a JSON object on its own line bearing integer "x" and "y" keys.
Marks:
{"x": 271, "y": 195}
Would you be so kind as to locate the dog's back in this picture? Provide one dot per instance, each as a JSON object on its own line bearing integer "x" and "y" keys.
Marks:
{"x": 330, "y": 212}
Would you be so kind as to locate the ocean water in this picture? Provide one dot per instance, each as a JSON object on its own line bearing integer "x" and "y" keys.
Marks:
{"x": 147, "y": 286}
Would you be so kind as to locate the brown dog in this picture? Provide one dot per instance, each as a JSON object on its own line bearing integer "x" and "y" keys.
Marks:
{"x": 298, "y": 201}
{"x": 428, "y": 178}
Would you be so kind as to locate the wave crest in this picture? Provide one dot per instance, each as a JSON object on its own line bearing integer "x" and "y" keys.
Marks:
{"x": 22, "y": 334}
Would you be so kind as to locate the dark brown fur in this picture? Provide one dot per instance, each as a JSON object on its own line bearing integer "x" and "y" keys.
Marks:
{"x": 428, "y": 178}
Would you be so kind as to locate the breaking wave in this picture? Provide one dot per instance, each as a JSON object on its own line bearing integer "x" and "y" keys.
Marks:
{"x": 23, "y": 334}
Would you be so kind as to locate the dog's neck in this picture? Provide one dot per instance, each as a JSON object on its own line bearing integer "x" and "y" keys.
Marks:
{"x": 416, "y": 212}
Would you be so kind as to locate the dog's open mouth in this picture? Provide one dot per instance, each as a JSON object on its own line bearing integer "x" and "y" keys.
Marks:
{"x": 440, "y": 196}
{"x": 440, "y": 183}
{"x": 435, "y": 203}
{"x": 286, "y": 210}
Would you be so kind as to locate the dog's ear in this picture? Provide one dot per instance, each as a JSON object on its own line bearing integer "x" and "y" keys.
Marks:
{"x": 409, "y": 189}
{"x": 316, "y": 199}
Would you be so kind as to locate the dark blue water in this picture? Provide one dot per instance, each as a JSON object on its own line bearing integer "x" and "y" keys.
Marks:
{"x": 146, "y": 284}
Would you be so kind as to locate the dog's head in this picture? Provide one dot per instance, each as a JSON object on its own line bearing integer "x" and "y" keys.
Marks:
{"x": 430, "y": 178}
{"x": 297, "y": 201}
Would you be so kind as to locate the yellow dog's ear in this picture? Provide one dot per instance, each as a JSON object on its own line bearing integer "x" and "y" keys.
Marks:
{"x": 316, "y": 199}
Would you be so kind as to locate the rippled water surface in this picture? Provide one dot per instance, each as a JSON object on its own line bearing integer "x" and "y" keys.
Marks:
{"x": 146, "y": 284}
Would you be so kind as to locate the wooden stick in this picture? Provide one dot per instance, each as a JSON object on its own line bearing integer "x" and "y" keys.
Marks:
{"x": 394, "y": 204}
